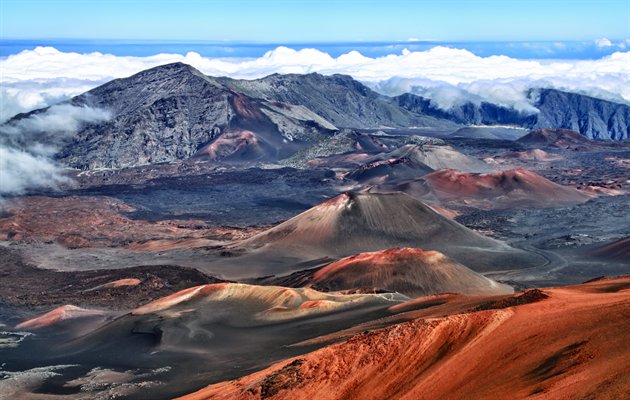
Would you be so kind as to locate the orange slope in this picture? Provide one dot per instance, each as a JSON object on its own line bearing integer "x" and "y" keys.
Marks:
{"x": 502, "y": 189}
{"x": 571, "y": 345}
{"x": 410, "y": 271}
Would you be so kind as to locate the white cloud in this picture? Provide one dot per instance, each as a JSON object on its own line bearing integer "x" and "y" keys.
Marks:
{"x": 603, "y": 42}
{"x": 21, "y": 170}
{"x": 61, "y": 119}
{"x": 44, "y": 75}
{"x": 27, "y": 95}
{"x": 28, "y": 144}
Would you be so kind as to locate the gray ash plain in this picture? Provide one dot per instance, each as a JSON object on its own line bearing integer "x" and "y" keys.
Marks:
{"x": 231, "y": 197}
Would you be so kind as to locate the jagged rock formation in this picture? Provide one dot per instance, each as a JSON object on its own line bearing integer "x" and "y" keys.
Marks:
{"x": 174, "y": 112}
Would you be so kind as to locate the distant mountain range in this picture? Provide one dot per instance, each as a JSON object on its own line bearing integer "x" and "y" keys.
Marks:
{"x": 175, "y": 112}
{"x": 594, "y": 118}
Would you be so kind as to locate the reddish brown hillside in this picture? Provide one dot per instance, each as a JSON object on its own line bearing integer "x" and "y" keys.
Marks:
{"x": 413, "y": 272}
{"x": 569, "y": 344}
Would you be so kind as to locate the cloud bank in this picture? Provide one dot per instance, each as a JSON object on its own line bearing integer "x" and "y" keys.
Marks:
{"x": 28, "y": 144}
{"x": 43, "y": 76}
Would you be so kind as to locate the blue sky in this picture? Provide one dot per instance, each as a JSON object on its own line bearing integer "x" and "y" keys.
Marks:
{"x": 285, "y": 21}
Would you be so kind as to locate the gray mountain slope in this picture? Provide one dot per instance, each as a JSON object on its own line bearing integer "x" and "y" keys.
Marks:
{"x": 592, "y": 117}
{"x": 170, "y": 112}
{"x": 174, "y": 112}
{"x": 339, "y": 99}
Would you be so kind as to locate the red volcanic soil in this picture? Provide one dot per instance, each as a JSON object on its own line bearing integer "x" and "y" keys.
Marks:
{"x": 452, "y": 214}
{"x": 57, "y": 315}
{"x": 413, "y": 272}
{"x": 247, "y": 108}
{"x": 229, "y": 143}
{"x": 118, "y": 283}
{"x": 95, "y": 221}
{"x": 565, "y": 343}
{"x": 253, "y": 305}
{"x": 618, "y": 250}
{"x": 503, "y": 189}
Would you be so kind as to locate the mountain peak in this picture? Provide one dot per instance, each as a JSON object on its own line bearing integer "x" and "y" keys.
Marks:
{"x": 175, "y": 67}
{"x": 172, "y": 70}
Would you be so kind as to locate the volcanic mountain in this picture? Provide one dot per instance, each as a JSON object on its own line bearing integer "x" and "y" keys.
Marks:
{"x": 505, "y": 189}
{"x": 60, "y": 314}
{"x": 413, "y": 272}
{"x": 345, "y": 147}
{"x": 352, "y": 223}
{"x": 560, "y": 343}
{"x": 413, "y": 161}
{"x": 395, "y": 169}
{"x": 438, "y": 157}
{"x": 619, "y": 250}
{"x": 172, "y": 111}
{"x": 562, "y": 138}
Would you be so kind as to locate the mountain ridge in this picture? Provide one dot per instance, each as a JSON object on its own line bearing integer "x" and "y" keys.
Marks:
{"x": 172, "y": 111}
{"x": 592, "y": 117}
